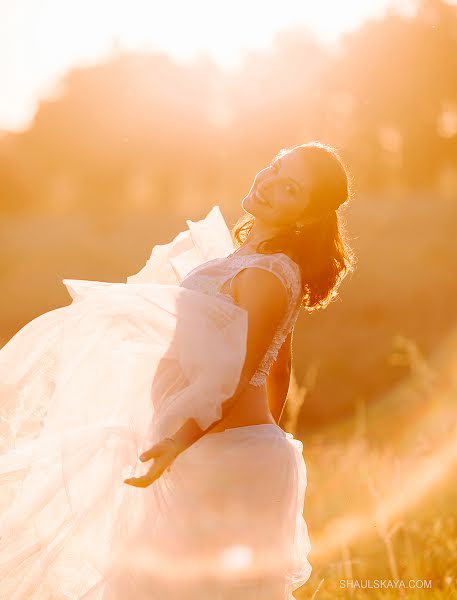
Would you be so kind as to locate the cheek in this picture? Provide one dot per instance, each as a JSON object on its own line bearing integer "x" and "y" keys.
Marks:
{"x": 278, "y": 218}
{"x": 287, "y": 210}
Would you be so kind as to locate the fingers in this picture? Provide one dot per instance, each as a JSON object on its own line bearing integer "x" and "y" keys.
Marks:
{"x": 155, "y": 451}
{"x": 141, "y": 482}
{"x": 163, "y": 456}
{"x": 146, "y": 480}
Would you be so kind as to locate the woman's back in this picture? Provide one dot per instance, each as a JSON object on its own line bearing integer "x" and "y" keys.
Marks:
{"x": 215, "y": 277}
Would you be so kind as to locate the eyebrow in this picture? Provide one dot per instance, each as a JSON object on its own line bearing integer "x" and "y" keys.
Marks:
{"x": 278, "y": 160}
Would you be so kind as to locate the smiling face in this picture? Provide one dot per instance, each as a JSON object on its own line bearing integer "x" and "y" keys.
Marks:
{"x": 280, "y": 192}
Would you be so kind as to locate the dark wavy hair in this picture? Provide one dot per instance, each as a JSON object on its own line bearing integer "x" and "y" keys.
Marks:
{"x": 320, "y": 247}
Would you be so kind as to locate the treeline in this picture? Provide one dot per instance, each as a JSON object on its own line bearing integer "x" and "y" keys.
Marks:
{"x": 141, "y": 133}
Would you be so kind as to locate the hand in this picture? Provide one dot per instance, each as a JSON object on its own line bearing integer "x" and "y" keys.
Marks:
{"x": 164, "y": 453}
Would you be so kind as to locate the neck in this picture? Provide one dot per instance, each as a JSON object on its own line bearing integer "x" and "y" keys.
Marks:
{"x": 258, "y": 233}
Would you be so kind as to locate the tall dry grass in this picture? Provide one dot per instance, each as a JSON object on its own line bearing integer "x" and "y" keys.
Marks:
{"x": 380, "y": 508}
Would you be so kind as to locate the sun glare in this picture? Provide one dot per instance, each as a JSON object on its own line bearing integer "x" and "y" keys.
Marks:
{"x": 40, "y": 41}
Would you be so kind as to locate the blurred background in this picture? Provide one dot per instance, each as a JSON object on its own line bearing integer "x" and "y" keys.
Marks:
{"x": 120, "y": 120}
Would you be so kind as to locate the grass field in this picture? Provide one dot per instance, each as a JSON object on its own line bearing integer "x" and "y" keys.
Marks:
{"x": 381, "y": 497}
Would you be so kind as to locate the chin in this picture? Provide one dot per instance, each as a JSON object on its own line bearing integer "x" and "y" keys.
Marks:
{"x": 251, "y": 206}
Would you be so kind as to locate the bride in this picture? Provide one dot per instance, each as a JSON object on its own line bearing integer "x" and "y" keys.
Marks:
{"x": 186, "y": 368}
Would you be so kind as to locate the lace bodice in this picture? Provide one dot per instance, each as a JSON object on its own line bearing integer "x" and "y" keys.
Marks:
{"x": 214, "y": 277}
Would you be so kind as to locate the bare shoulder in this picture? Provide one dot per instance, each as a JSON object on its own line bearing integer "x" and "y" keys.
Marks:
{"x": 260, "y": 288}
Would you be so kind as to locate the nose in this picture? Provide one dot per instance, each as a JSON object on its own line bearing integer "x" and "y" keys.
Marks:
{"x": 267, "y": 181}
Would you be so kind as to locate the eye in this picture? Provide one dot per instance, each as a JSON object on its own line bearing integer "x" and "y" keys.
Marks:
{"x": 291, "y": 190}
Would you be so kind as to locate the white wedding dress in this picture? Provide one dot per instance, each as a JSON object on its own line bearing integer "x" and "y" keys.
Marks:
{"x": 85, "y": 388}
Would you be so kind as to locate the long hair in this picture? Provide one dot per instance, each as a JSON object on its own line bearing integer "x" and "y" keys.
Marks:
{"x": 320, "y": 247}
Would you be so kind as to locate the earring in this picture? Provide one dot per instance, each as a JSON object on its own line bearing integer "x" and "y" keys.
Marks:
{"x": 302, "y": 224}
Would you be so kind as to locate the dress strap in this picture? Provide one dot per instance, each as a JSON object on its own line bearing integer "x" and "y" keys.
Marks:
{"x": 285, "y": 269}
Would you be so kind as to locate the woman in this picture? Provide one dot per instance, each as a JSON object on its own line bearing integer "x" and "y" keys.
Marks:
{"x": 219, "y": 512}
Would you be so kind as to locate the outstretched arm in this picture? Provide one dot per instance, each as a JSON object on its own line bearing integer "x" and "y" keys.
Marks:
{"x": 263, "y": 296}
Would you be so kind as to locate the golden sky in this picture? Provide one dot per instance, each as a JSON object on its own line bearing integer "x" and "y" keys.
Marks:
{"x": 41, "y": 39}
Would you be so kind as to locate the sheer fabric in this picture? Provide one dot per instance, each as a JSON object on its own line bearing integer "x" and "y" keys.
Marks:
{"x": 215, "y": 278}
{"x": 85, "y": 388}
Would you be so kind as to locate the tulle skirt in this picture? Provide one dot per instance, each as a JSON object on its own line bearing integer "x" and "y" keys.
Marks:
{"x": 84, "y": 389}
{"x": 230, "y": 525}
